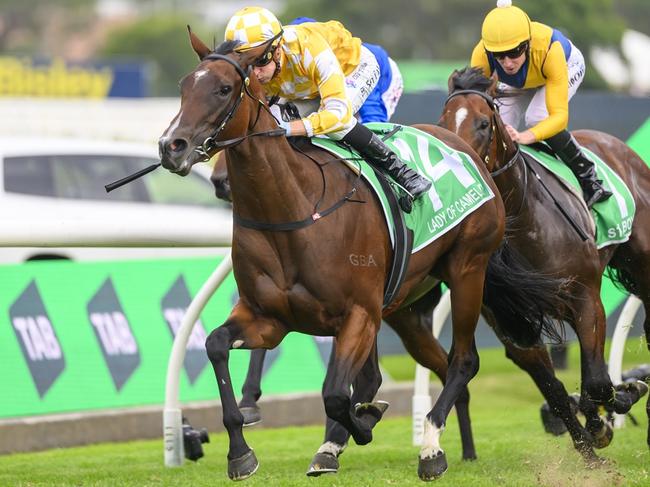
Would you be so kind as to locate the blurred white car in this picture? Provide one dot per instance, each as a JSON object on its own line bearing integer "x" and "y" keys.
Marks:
{"x": 53, "y": 203}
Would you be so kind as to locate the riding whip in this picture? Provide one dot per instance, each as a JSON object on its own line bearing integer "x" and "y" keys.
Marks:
{"x": 110, "y": 187}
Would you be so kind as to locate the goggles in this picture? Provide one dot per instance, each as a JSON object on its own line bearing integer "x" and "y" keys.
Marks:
{"x": 512, "y": 53}
{"x": 263, "y": 60}
{"x": 267, "y": 55}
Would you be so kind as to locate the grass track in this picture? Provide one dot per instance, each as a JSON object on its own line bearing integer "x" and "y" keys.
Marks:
{"x": 512, "y": 447}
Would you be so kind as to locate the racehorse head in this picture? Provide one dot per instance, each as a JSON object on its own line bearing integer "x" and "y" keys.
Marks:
{"x": 470, "y": 112}
{"x": 217, "y": 99}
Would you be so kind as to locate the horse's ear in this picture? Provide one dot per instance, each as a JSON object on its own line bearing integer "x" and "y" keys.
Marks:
{"x": 492, "y": 90}
{"x": 450, "y": 81}
{"x": 197, "y": 44}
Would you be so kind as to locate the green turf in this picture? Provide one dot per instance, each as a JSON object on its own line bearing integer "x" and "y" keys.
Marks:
{"x": 512, "y": 447}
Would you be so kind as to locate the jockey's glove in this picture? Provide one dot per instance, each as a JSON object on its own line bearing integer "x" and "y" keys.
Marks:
{"x": 286, "y": 126}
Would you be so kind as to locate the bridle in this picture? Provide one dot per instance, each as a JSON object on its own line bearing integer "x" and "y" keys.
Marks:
{"x": 514, "y": 159}
{"x": 493, "y": 123}
{"x": 210, "y": 144}
{"x": 493, "y": 131}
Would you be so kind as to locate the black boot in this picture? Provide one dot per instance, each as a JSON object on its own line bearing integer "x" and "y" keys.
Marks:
{"x": 379, "y": 155}
{"x": 566, "y": 147}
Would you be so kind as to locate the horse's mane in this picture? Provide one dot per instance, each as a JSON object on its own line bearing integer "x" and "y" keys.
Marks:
{"x": 226, "y": 47}
{"x": 470, "y": 78}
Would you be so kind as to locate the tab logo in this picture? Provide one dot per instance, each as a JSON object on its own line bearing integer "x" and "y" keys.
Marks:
{"x": 114, "y": 334}
{"x": 174, "y": 306}
{"x": 38, "y": 341}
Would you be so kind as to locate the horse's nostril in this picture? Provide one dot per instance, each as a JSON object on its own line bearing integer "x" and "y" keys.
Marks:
{"x": 177, "y": 145}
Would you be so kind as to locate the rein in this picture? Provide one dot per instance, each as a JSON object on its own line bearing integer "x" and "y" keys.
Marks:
{"x": 515, "y": 158}
{"x": 210, "y": 144}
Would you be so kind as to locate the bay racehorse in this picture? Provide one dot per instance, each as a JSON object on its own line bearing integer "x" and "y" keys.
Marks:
{"x": 534, "y": 203}
{"x": 413, "y": 324}
{"x": 291, "y": 259}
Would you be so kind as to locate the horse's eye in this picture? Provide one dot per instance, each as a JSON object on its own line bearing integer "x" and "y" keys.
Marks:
{"x": 224, "y": 90}
{"x": 484, "y": 124}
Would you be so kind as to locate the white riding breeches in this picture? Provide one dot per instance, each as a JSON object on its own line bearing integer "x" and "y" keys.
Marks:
{"x": 532, "y": 101}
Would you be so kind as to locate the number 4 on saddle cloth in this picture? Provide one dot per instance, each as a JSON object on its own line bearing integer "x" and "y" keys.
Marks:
{"x": 612, "y": 217}
{"x": 458, "y": 189}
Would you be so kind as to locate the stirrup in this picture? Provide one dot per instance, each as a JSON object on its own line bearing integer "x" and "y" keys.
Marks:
{"x": 406, "y": 202}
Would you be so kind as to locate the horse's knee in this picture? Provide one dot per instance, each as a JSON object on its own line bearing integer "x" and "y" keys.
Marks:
{"x": 336, "y": 405}
{"x": 217, "y": 344}
{"x": 470, "y": 365}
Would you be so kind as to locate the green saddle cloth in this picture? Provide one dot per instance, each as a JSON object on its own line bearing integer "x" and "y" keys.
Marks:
{"x": 613, "y": 217}
{"x": 458, "y": 188}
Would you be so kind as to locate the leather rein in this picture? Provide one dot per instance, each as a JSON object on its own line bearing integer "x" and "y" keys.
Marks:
{"x": 210, "y": 145}
{"x": 494, "y": 130}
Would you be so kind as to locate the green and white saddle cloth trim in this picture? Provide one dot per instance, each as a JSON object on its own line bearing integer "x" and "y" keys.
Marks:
{"x": 612, "y": 217}
{"x": 458, "y": 188}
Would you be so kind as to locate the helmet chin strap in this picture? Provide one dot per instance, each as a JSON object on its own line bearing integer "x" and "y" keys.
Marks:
{"x": 277, "y": 63}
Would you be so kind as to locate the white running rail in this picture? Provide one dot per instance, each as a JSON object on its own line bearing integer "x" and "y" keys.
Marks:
{"x": 623, "y": 327}
{"x": 422, "y": 400}
{"x": 421, "y": 397}
{"x": 172, "y": 415}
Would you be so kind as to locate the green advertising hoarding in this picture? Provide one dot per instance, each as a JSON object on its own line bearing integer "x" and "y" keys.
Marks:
{"x": 86, "y": 336}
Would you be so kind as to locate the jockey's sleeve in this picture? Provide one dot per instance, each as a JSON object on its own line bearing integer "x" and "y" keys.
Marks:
{"x": 480, "y": 60}
{"x": 557, "y": 94}
{"x": 325, "y": 71}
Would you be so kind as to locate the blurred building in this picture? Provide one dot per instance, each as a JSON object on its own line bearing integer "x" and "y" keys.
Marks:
{"x": 212, "y": 11}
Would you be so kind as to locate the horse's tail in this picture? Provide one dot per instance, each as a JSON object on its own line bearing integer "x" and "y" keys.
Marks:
{"x": 526, "y": 303}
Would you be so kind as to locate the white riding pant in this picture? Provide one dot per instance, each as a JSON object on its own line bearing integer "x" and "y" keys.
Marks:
{"x": 532, "y": 101}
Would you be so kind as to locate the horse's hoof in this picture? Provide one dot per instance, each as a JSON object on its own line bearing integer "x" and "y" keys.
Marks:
{"x": 432, "y": 468}
{"x": 362, "y": 436}
{"x": 469, "y": 457}
{"x": 323, "y": 463}
{"x": 596, "y": 462}
{"x": 603, "y": 437}
{"x": 252, "y": 415}
{"x": 639, "y": 387}
{"x": 376, "y": 409}
{"x": 552, "y": 424}
{"x": 243, "y": 467}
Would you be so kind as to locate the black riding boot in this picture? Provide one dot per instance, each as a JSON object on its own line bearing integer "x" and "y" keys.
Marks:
{"x": 379, "y": 155}
{"x": 566, "y": 147}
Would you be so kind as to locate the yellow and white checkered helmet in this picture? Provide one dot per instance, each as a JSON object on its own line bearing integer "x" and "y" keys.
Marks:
{"x": 252, "y": 26}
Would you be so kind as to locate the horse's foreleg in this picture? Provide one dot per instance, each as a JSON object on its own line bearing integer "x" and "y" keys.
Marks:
{"x": 414, "y": 327}
{"x": 239, "y": 331}
{"x": 596, "y": 386}
{"x": 251, "y": 390}
{"x": 351, "y": 349}
{"x": 365, "y": 388}
{"x": 537, "y": 363}
{"x": 466, "y": 295}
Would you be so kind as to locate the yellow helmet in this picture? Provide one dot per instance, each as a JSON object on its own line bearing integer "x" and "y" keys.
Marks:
{"x": 505, "y": 27}
{"x": 252, "y": 26}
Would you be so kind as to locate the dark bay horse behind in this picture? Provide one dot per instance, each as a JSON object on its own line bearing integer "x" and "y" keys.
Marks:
{"x": 291, "y": 260}
{"x": 542, "y": 234}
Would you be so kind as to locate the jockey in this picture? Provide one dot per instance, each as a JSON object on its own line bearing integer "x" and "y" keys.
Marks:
{"x": 382, "y": 101}
{"x": 322, "y": 59}
{"x": 542, "y": 69}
